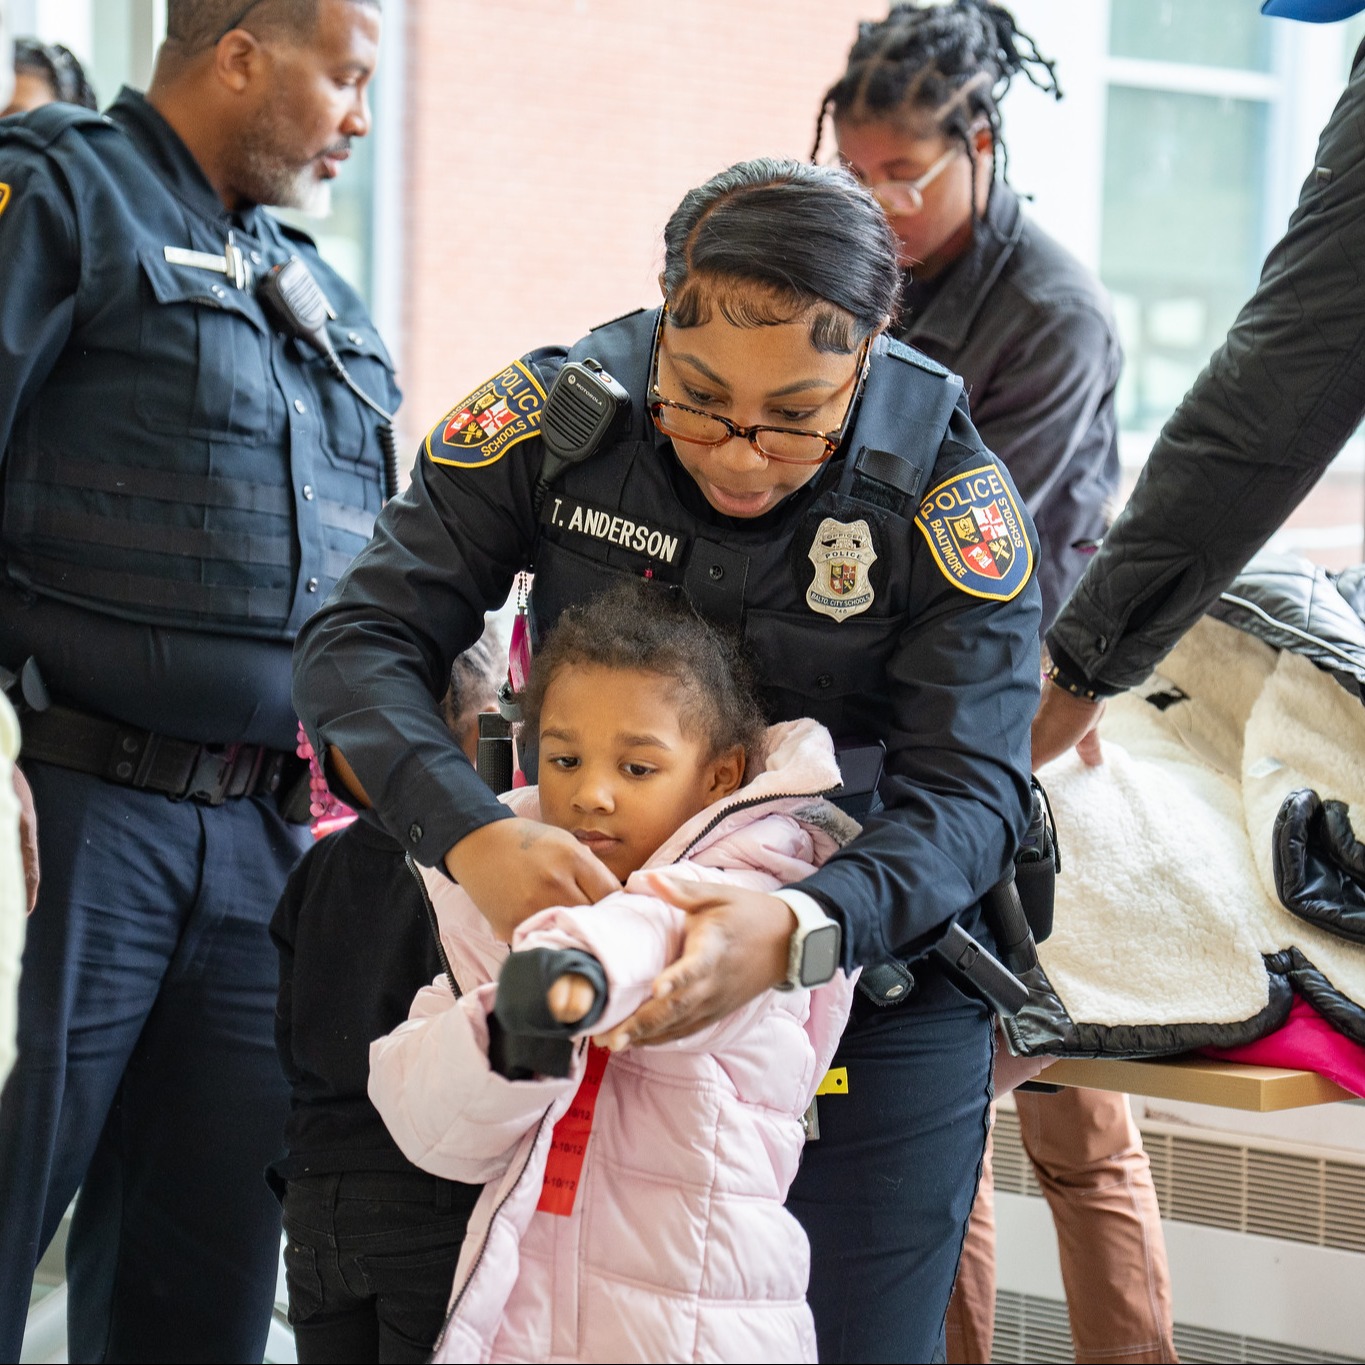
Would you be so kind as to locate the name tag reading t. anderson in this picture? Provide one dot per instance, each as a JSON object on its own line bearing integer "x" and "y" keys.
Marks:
{"x": 640, "y": 537}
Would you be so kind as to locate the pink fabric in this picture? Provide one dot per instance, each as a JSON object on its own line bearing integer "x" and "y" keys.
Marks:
{"x": 678, "y": 1247}
{"x": 1306, "y": 1041}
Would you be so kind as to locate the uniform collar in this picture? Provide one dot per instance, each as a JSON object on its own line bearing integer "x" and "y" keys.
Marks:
{"x": 161, "y": 145}
{"x": 948, "y": 317}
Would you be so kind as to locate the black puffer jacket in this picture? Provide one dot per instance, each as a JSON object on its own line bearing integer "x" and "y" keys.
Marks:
{"x": 1273, "y": 407}
{"x": 1288, "y": 603}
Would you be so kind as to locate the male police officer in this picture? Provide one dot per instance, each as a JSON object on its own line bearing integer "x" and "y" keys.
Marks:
{"x": 182, "y": 483}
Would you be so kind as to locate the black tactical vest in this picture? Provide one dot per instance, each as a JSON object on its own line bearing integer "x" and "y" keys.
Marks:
{"x": 184, "y": 464}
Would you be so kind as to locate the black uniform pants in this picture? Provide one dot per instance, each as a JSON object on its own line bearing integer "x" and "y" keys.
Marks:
{"x": 370, "y": 1262}
{"x": 885, "y": 1193}
{"x": 147, "y": 1073}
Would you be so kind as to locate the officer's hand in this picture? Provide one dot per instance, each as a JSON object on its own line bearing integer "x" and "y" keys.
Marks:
{"x": 1062, "y": 721}
{"x": 28, "y": 837}
{"x": 734, "y": 948}
{"x": 512, "y": 868}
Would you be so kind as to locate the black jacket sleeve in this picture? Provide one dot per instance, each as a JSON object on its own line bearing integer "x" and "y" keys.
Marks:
{"x": 1263, "y": 421}
{"x": 412, "y": 600}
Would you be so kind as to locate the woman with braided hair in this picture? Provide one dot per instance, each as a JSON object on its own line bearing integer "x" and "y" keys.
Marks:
{"x": 44, "y": 72}
{"x": 986, "y": 293}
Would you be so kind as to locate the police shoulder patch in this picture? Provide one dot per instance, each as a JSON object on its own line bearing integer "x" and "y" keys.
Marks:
{"x": 481, "y": 429}
{"x": 4, "y": 196}
{"x": 976, "y": 534}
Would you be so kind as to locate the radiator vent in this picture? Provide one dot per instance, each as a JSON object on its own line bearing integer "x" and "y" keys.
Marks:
{"x": 1296, "y": 1196}
{"x": 1028, "y": 1327}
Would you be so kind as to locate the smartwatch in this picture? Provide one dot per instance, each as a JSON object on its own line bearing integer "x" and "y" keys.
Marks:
{"x": 813, "y": 952}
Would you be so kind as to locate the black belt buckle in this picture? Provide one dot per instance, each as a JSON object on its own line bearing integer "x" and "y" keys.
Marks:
{"x": 212, "y": 774}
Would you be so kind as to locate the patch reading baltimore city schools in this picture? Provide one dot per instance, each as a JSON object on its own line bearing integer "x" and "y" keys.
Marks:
{"x": 483, "y": 427}
{"x": 976, "y": 534}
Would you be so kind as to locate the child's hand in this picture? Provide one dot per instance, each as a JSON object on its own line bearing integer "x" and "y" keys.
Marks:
{"x": 570, "y": 997}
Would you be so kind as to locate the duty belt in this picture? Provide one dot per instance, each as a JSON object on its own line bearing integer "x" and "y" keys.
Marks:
{"x": 131, "y": 757}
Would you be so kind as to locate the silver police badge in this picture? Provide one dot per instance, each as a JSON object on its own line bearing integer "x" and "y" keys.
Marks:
{"x": 842, "y": 554}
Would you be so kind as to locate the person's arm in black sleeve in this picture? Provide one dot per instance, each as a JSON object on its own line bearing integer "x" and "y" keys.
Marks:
{"x": 964, "y": 687}
{"x": 39, "y": 273}
{"x": 371, "y": 666}
{"x": 1263, "y": 421}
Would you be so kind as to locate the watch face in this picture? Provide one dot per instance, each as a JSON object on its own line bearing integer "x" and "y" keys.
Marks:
{"x": 820, "y": 955}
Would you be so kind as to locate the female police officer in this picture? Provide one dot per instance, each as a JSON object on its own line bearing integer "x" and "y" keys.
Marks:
{"x": 820, "y": 488}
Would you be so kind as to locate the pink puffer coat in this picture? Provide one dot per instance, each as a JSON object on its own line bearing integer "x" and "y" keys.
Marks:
{"x": 677, "y": 1247}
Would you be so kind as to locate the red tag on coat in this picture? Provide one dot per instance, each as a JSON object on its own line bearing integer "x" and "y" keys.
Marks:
{"x": 569, "y": 1142}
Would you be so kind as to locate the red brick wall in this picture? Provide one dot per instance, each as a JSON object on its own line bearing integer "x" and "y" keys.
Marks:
{"x": 549, "y": 140}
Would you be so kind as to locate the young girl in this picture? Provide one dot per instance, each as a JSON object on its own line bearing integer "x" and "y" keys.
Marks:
{"x": 633, "y": 1208}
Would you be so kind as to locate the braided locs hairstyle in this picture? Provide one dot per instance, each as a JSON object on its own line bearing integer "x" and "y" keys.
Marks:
{"x": 954, "y": 61}
{"x": 58, "y": 66}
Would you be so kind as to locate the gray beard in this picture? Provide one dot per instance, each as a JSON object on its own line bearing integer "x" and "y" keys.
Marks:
{"x": 311, "y": 197}
{"x": 266, "y": 180}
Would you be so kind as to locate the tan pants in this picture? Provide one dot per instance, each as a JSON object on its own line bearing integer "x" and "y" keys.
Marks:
{"x": 1087, "y": 1154}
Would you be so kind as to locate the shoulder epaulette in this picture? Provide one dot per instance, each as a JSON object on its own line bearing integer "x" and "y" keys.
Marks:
{"x": 620, "y": 317}
{"x": 913, "y": 357}
{"x": 43, "y": 126}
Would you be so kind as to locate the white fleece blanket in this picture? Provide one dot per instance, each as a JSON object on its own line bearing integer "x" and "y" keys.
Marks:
{"x": 1166, "y": 900}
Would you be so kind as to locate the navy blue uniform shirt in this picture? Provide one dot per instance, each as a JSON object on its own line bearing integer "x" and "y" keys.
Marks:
{"x": 182, "y": 484}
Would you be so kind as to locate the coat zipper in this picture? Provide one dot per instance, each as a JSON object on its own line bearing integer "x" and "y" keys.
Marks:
{"x": 493, "y": 1217}
{"x": 435, "y": 925}
{"x": 744, "y": 805}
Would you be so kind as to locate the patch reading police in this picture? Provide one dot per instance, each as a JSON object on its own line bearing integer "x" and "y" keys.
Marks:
{"x": 582, "y": 518}
{"x": 4, "y": 196}
{"x": 974, "y": 530}
{"x": 842, "y": 554}
{"x": 486, "y": 425}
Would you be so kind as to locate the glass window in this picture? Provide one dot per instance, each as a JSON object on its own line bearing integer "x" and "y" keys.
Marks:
{"x": 1207, "y": 33}
{"x": 113, "y": 62}
{"x": 1180, "y": 243}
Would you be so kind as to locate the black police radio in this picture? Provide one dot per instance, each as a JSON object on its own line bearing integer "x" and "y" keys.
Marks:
{"x": 582, "y": 409}
{"x": 295, "y": 303}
